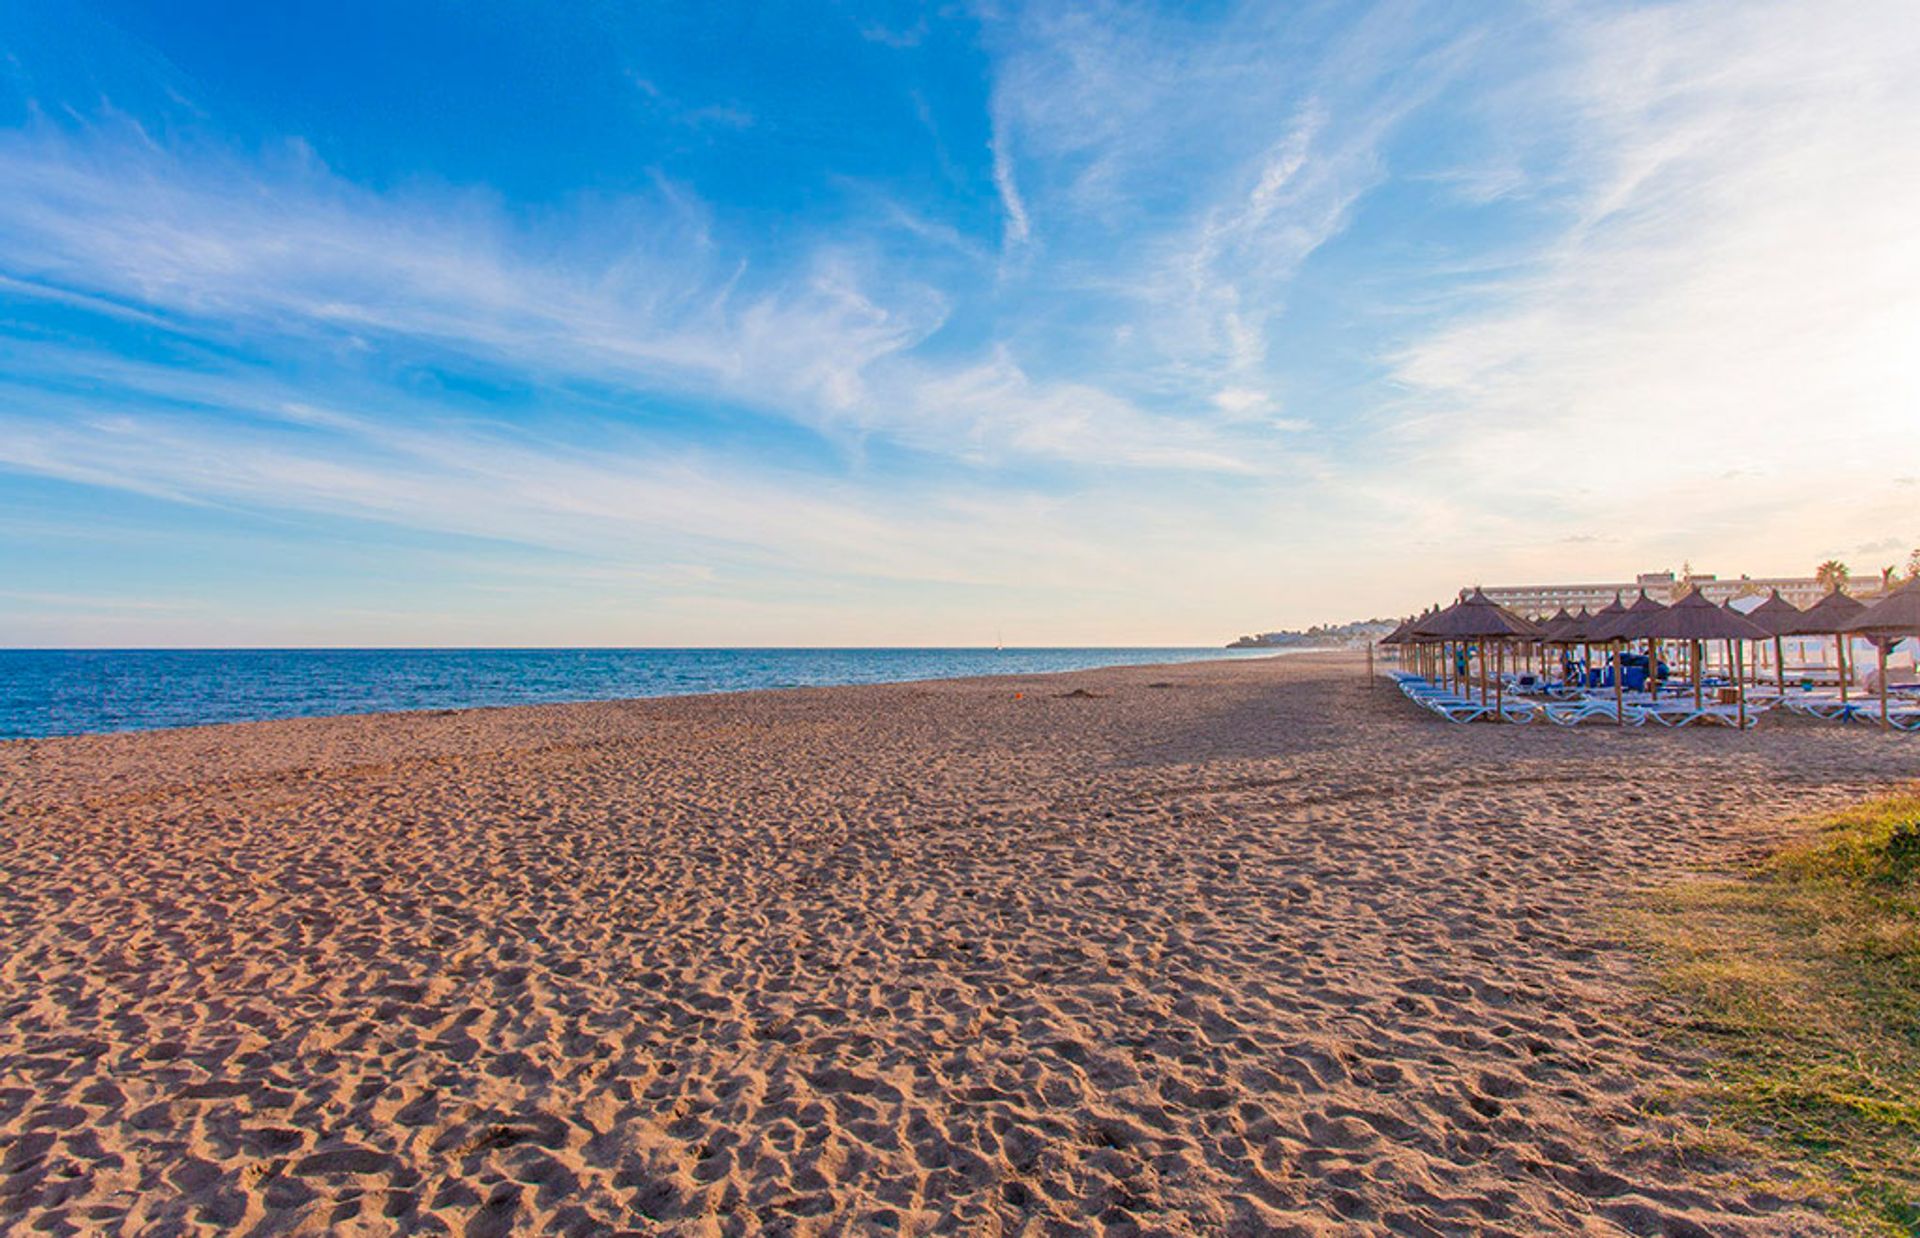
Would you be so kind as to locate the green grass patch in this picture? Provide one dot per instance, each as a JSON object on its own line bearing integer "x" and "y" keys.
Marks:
{"x": 1802, "y": 978}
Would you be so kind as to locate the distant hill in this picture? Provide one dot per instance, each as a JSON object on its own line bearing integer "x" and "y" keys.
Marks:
{"x": 1323, "y": 636}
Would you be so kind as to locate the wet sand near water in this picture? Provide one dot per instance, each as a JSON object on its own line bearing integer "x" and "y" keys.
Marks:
{"x": 1240, "y": 947}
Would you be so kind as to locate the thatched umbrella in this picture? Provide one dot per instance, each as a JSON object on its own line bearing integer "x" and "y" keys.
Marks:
{"x": 1429, "y": 650}
{"x": 1426, "y": 646}
{"x": 1561, "y": 629}
{"x": 1777, "y": 615}
{"x": 1425, "y": 630}
{"x": 1694, "y": 619}
{"x": 1401, "y": 635}
{"x": 1423, "y": 633}
{"x": 1567, "y": 631}
{"x": 1479, "y": 618}
{"x": 1603, "y": 618}
{"x": 1574, "y": 632}
{"x": 1593, "y": 632}
{"x": 1614, "y": 630}
{"x": 1550, "y": 626}
{"x": 1888, "y": 621}
{"x": 1829, "y": 617}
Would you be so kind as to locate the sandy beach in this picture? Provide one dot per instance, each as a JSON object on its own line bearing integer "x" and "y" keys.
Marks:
{"x": 1223, "y": 948}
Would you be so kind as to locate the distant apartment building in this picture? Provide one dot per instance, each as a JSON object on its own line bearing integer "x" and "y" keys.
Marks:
{"x": 1665, "y": 587}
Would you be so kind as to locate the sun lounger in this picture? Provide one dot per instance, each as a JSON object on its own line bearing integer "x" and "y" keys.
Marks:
{"x": 1826, "y": 706}
{"x": 1686, "y": 713}
{"x": 1901, "y": 715}
{"x": 1587, "y": 709}
{"x": 1455, "y": 707}
{"x": 1458, "y": 708}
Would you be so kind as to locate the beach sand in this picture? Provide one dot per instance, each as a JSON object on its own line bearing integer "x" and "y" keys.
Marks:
{"x": 1224, "y": 948}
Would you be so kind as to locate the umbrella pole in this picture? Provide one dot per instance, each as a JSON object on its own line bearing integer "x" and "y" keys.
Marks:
{"x": 1499, "y": 674}
{"x": 1885, "y": 721}
{"x": 1697, "y": 675}
{"x": 1780, "y": 663}
{"x": 1619, "y": 692}
{"x": 1480, "y": 656}
{"x": 1740, "y": 678}
{"x": 1840, "y": 656}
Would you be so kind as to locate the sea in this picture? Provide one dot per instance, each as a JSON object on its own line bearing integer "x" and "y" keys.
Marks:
{"x": 75, "y": 691}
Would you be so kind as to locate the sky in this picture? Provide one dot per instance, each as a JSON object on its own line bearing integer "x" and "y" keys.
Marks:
{"x": 358, "y": 323}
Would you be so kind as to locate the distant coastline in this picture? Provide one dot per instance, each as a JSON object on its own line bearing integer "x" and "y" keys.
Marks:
{"x": 1320, "y": 636}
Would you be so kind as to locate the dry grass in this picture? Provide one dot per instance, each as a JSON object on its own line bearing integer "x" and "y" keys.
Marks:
{"x": 1802, "y": 979}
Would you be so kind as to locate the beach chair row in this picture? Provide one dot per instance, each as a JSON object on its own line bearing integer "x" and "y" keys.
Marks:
{"x": 1577, "y": 709}
{"x": 1456, "y": 707}
{"x": 1672, "y": 713}
{"x": 1638, "y": 709}
{"x": 1903, "y": 715}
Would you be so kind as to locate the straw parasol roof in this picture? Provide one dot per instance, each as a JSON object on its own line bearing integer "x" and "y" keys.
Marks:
{"x": 1614, "y": 628}
{"x": 1600, "y": 620}
{"x": 1827, "y": 617}
{"x": 1400, "y": 635}
{"x": 1551, "y": 626}
{"x": 1573, "y": 631}
{"x": 1776, "y": 615}
{"x": 1895, "y": 615}
{"x": 1476, "y": 617}
{"x": 1409, "y": 633}
{"x": 1691, "y": 618}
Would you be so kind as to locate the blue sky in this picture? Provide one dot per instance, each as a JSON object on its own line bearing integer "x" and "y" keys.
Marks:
{"x": 842, "y": 324}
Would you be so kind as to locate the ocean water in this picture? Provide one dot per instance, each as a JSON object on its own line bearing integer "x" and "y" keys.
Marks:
{"x": 68, "y": 692}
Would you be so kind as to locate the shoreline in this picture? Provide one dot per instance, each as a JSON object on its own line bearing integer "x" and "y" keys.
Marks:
{"x": 1241, "y": 944}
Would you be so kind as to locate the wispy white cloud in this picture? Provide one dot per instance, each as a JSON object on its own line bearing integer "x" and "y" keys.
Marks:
{"x": 220, "y": 440}
{"x": 1018, "y": 229}
{"x": 292, "y": 248}
{"x": 693, "y": 116}
{"x": 1712, "y": 347}
{"x": 1190, "y": 169}
{"x": 289, "y": 248}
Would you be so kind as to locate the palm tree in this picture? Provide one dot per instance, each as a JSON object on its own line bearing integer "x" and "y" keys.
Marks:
{"x": 1832, "y": 575}
{"x": 1913, "y": 565}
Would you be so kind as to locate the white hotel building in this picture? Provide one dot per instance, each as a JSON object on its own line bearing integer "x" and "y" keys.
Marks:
{"x": 1665, "y": 587}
